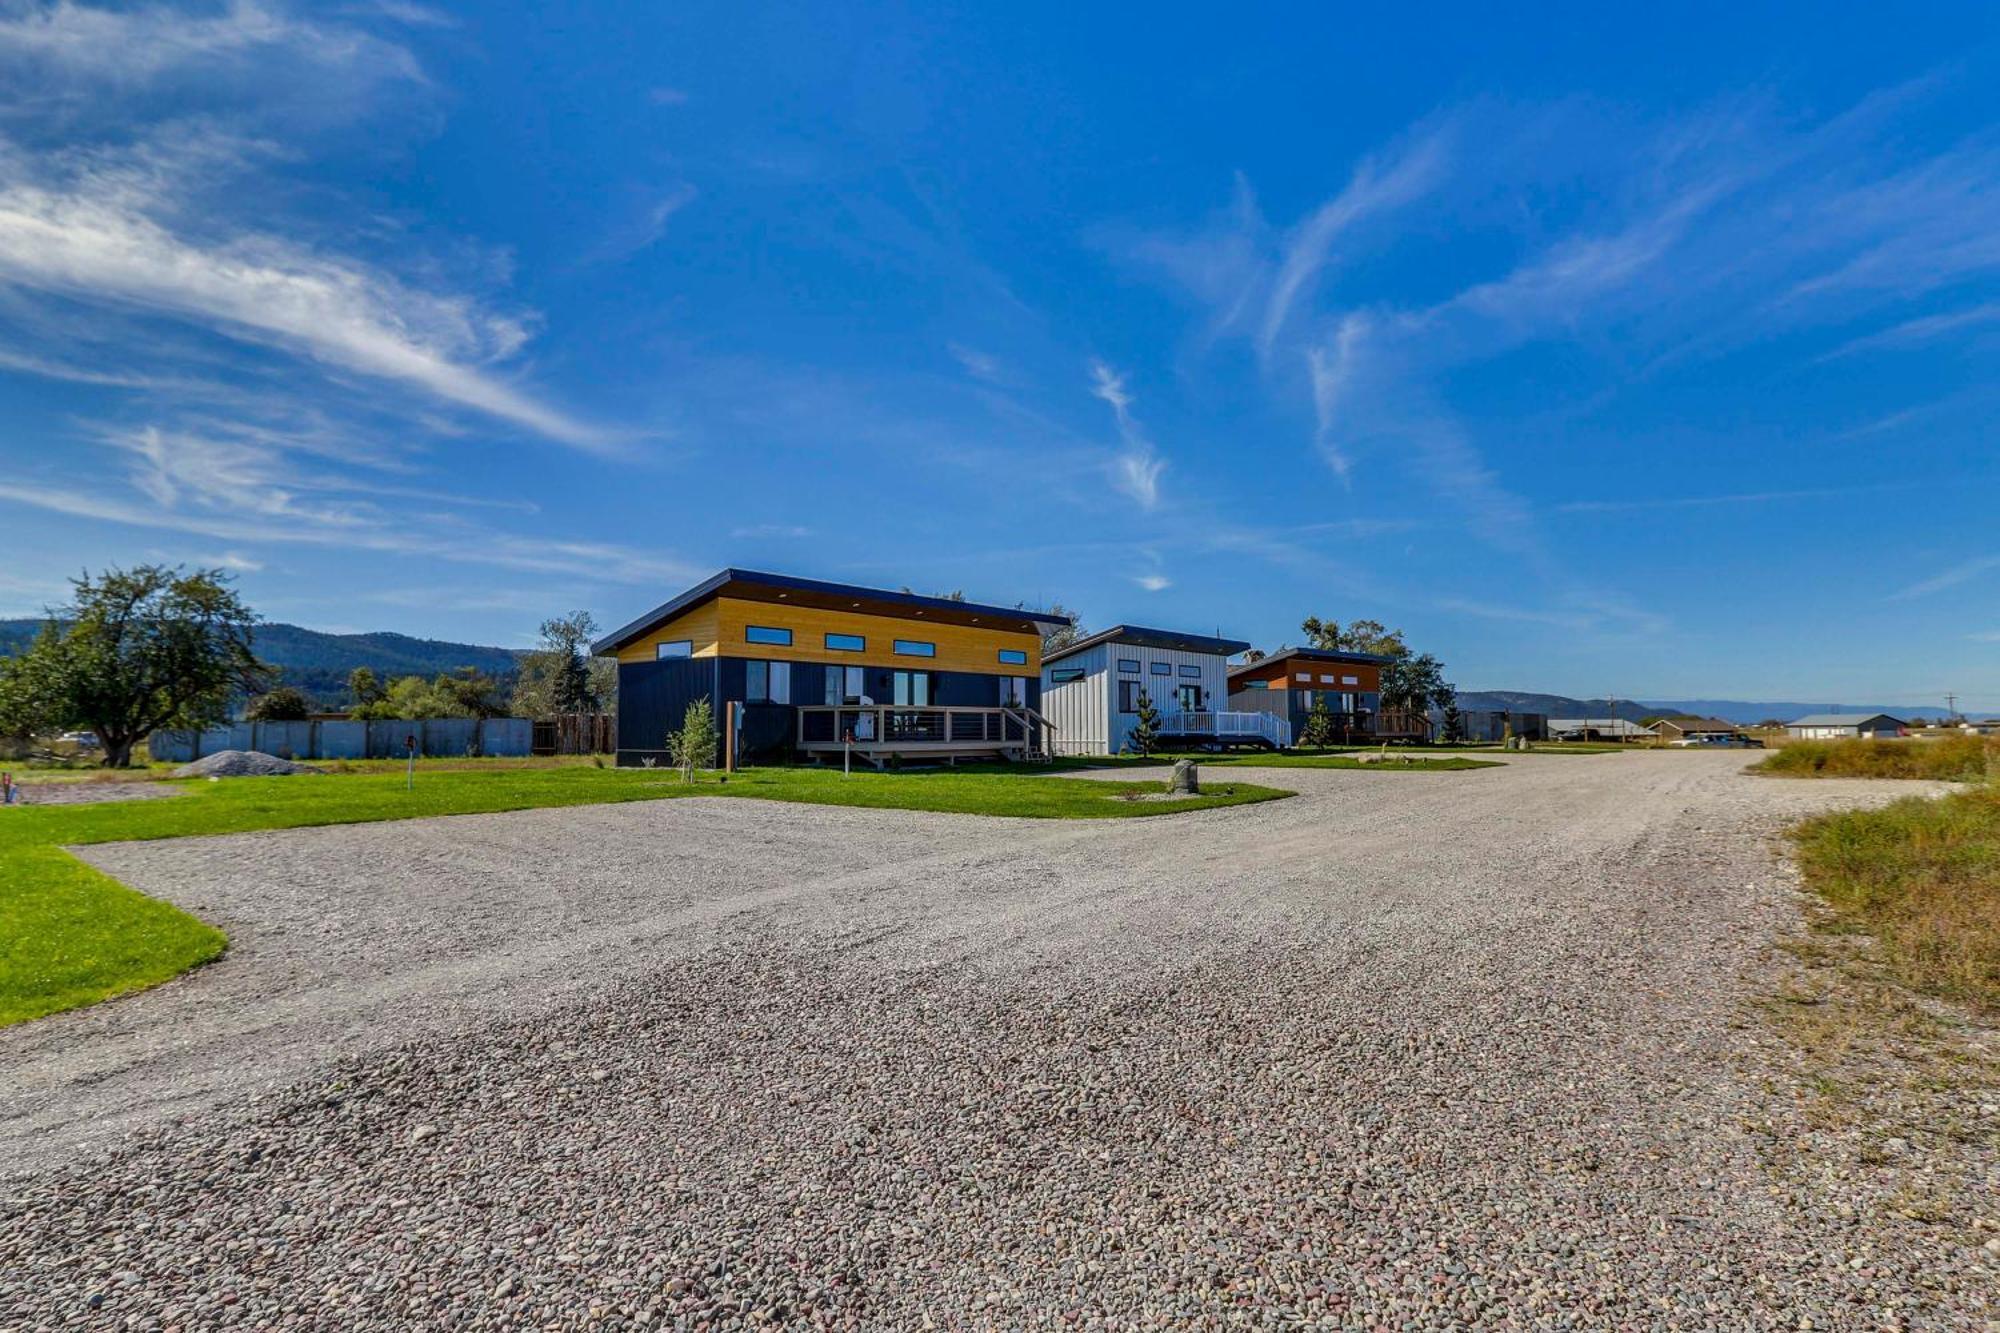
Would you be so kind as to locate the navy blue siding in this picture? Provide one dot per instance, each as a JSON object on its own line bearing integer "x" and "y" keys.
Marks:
{"x": 653, "y": 699}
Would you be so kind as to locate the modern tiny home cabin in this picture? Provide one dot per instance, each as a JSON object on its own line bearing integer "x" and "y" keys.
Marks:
{"x": 1091, "y": 692}
{"x": 1290, "y": 682}
{"x": 825, "y": 670}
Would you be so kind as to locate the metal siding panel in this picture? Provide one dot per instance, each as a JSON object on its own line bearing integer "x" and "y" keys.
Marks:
{"x": 653, "y": 698}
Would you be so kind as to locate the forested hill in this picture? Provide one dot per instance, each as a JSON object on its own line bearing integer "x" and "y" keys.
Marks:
{"x": 318, "y": 663}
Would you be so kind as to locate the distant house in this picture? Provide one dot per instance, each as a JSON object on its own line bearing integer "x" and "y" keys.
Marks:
{"x": 1988, "y": 727}
{"x": 1092, "y": 688}
{"x": 1291, "y": 681}
{"x": 1846, "y": 726}
{"x": 1693, "y": 728}
{"x": 1597, "y": 729}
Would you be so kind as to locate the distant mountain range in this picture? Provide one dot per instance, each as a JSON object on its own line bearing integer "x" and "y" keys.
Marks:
{"x": 318, "y": 663}
{"x": 1635, "y": 710}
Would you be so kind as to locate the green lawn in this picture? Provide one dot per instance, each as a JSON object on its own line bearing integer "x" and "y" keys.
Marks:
{"x": 71, "y": 936}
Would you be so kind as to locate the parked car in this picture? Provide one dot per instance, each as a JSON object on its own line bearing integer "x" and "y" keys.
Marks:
{"x": 1716, "y": 743}
{"x": 82, "y": 740}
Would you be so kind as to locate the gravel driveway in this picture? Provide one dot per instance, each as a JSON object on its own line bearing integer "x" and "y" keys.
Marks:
{"x": 1410, "y": 1050}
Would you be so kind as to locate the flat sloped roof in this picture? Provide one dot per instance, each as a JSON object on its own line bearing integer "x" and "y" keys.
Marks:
{"x": 1139, "y": 636}
{"x": 1841, "y": 719}
{"x": 754, "y": 586}
{"x": 1315, "y": 655}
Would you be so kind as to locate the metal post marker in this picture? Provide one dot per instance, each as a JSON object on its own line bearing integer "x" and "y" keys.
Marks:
{"x": 410, "y": 747}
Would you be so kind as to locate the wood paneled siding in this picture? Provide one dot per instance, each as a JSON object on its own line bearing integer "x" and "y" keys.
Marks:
{"x": 1085, "y": 711}
{"x": 1284, "y": 675}
{"x": 718, "y": 629}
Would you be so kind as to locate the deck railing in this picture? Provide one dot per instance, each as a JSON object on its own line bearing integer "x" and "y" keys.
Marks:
{"x": 890, "y": 725}
{"x": 1229, "y": 726}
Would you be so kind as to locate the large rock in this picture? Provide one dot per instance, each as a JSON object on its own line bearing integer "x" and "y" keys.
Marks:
{"x": 1186, "y": 781}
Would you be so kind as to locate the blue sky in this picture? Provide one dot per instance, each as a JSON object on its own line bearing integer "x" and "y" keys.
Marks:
{"x": 1603, "y": 353}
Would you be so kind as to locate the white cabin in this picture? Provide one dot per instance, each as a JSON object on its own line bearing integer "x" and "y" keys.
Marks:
{"x": 1091, "y": 691}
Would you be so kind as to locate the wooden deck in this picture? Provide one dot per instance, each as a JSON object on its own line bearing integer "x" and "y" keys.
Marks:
{"x": 876, "y": 733}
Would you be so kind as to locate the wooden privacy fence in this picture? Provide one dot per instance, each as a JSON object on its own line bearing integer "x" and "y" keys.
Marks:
{"x": 575, "y": 733}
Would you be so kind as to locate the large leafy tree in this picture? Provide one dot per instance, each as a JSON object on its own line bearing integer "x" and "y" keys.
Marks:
{"x": 1057, "y": 637}
{"x": 284, "y": 704}
{"x": 1360, "y": 636}
{"x": 1415, "y": 684}
{"x": 560, "y": 676}
{"x": 138, "y": 651}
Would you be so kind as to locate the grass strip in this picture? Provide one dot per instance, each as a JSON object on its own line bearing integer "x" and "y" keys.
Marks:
{"x": 1948, "y": 759}
{"x": 1923, "y": 877}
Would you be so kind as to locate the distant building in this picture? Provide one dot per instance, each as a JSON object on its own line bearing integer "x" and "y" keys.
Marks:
{"x": 1846, "y": 726}
{"x": 1495, "y": 724}
{"x": 1693, "y": 728}
{"x": 1597, "y": 729}
{"x": 1989, "y": 727}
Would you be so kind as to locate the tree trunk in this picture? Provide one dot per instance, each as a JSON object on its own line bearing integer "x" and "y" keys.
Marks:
{"x": 117, "y": 750}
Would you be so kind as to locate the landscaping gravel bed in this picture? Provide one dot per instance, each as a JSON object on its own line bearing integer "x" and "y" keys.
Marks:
{"x": 91, "y": 793}
{"x": 1441, "y": 1052}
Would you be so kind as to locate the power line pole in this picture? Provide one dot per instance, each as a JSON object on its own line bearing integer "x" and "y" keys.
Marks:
{"x": 1950, "y": 706}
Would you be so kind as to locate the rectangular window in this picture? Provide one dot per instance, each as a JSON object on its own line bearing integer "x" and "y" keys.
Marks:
{"x": 1064, "y": 675}
{"x": 674, "y": 648}
{"x": 1129, "y": 665}
{"x": 1306, "y": 676}
{"x": 1013, "y": 691}
{"x": 844, "y": 685}
{"x": 767, "y": 682}
{"x": 778, "y": 638}
{"x": 1256, "y": 684}
{"x": 1013, "y": 657}
{"x": 1128, "y": 696}
{"x": 845, "y": 643}
{"x": 913, "y": 689}
{"x": 1328, "y": 680}
{"x": 1190, "y": 698}
{"x": 1163, "y": 669}
{"x": 916, "y": 648}
{"x": 1350, "y": 680}
{"x": 1188, "y": 669}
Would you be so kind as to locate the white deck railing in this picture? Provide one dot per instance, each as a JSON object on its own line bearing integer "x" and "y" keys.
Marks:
{"x": 1230, "y": 726}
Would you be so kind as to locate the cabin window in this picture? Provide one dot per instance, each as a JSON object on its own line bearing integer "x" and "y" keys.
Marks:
{"x": 1163, "y": 669}
{"x": 1350, "y": 680}
{"x": 916, "y": 648}
{"x": 845, "y": 685}
{"x": 845, "y": 643}
{"x": 1256, "y": 684}
{"x": 913, "y": 689}
{"x": 1189, "y": 669}
{"x": 1013, "y": 657}
{"x": 1128, "y": 695}
{"x": 1129, "y": 664}
{"x": 1328, "y": 680}
{"x": 1306, "y": 676}
{"x": 777, "y": 638}
{"x": 1064, "y": 675}
{"x": 674, "y": 648}
{"x": 1013, "y": 691}
{"x": 767, "y": 682}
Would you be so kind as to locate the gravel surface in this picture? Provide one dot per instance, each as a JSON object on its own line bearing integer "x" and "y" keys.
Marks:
{"x": 1433, "y": 1051}
{"x": 89, "y": 793}
{"x": 241, "y": 764}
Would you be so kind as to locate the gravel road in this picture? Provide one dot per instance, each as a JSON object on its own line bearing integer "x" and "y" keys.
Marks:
{"x": 1411, "y": 1051}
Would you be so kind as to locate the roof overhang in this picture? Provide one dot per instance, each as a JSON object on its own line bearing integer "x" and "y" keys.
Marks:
{"x": 1314, "y": 655}
{"x": 785, "y": 590}
{"x": 1138, "y": 636}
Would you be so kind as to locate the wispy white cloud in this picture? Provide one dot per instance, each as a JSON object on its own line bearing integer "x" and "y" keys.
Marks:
{"x": 91, "y": 239}
{"x": 771, "y": 531}
{"x": 1153, "y": 582}
{"x": 1922, "y": 329}
{"x": 126, "y": 46}
{"x": 1963, "y": 572}
{"x": 1137, "y": 468}
{"x": 1379, "y": 185}
{"x": 1734, "y": 498}
{"x": 980, "y": 365}
{"x": 1985, "y": 636}
{"x": 646, "y": 223}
